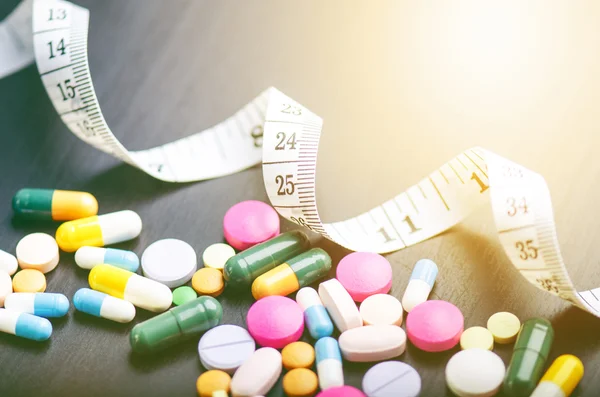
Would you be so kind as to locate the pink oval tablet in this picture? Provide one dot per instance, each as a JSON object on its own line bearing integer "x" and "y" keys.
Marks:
{"x": 341, "y": 391}
{"x": 275, "y": 321}
{"x": 435, "y": 326}
{"x": 364, "y": 274}
{"x": 249, "y": 223}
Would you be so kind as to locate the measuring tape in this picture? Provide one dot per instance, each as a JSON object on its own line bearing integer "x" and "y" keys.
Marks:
{"x": 284, "y": 135}
{"x": 16, "y": 44}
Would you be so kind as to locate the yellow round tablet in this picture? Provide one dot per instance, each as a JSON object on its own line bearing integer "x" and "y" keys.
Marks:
{"x": 300, "y": 382}
{"x": 478, "y": 337}
{"x": 213, "y": 381}
{"x": 504, "y": 326}
{"x": 216, "y": 255}
{"x": 298, "y": 355}
{"x": 29, "y": 280}
{"x": 207, "y": 281}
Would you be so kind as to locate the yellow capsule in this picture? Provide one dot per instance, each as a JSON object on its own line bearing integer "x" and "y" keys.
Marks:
{"x": 561, "y": 378}
{"x": 58, "y": 205}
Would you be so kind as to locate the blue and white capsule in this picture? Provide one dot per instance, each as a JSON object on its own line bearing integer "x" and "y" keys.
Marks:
{"x": 25, "y": 325}
{"x": 420, "y": 284}
{"x": 329, "y": 363}
{"x": 38, "y": 303}
{"x": 88, "y": 257}
{"x": 316, "y": 317}
{"x": 102, "y": 305}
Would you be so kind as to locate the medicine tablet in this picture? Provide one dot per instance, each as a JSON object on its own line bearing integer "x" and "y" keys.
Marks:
{"x": 88, "y": 257}
{"x": 275, "y": 321}
{"x": 183, "y": 295}
{"x": 29, "y": 280}
{"x": 298, "y": 355}
{"x": 504, "y": 326}
{"x": 249, "y": 223}
{"x": 38, "y": 251}
{"x": 8, "y": 263}
{"x": 381, "y": 309}
{"x": 475, "y": 373}
{"x": 434, "y": 326}
{"x": 207, "y": 281}
{"x": 300, "y": 382}
{"x": 420, "y": 284}
{"x": 392, "y": 379}
{"x": 6, "y": 287}
{"x": 364, "y": 274}
{"x": 211, "y": 382}
{"x": 339, "y": 305}
{"x": 225, "y": 347}
{"x": 216, "y": 255}
{"x": 329, "y": 363}
{"x": 170, "y": 261}
{"x": 372, "y": 343}
{"x": 477, "y": 337}
{"x": 103, "y": 305}
{"x": 39, "y": 304}
{"x": 258, "y": 374}
{"x": 341, "y": 391}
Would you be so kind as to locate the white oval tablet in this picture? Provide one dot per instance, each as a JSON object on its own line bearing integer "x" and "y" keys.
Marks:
{"x": 258, "y": 374}
{"x": 381, "y": 309}
{"x": 216, "y": 255}
{"x": 475, "y": 373}
{"x": 38, "y": 251}
{"x": 8, "y": 263}
{"x": 340, "y": 305}
{"x": 225, "y": 347}
{"x": 372, "y": 343}
{"x": 170, "y": 261}
{"x": 5, "y": 286}
{"x": 392, "y": 379}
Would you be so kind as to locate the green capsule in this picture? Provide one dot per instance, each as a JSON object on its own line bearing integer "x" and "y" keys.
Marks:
{"x": 168, "y": 328}
{"x": 57, "y": 205}
{"x": 240, "y": 270}
{"x": 529, "y": 357}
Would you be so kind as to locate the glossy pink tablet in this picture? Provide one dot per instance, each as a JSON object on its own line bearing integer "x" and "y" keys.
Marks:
{"x": 342, "y": 391}
{"x": 364, "y": 274}
{"x": 434, "y": 326}
{"x": 249, "y": 223}
{"x": 275, "y": 321}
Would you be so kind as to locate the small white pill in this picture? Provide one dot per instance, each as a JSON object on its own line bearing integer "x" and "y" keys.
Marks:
{"x": 8, "y": 263}
{"x": 475, "y": 373}
{"x": 170, "y": 261}
{"x": 340, "y": 305}
{"x": 420, "y": 285}
{"x": 38, "y": 251}
{"x": 381, "y": 309}
{"x": 216, "y": 255}
{"x": 372, "y": 343}
{"x": 258, "y": 374}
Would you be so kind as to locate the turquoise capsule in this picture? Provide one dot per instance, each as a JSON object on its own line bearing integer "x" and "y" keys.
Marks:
{"x": 25, "y": 325}
{"x": 87, "y": 257}
{"x": 41, "y": 304}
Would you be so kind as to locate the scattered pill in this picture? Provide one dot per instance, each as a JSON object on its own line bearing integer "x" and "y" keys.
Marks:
{"x": 475, "y": 373}
{"x": 298, "y": 355}
{"x": 98, "y": 231}
{"x": 249, "y": 223}
{"x": 364, "y": 274}
{"x": 103, "y": 305}
{"x": 289, "y": 277}
{"x": 8, "y": 263}
{"x": 504, "y": 326}
{"x": 39, "y": 304}
{"x": 561, "y": 379}
{"x": 168, "y": 328}
{"x": 183, "y": 295}
{"x": 257, "y": 375}
{"x": 208, "y": 281}
{"x": 88, "y": 257}
{"x": 420, "y": 284}
{"x": 29, "y": 280}
{"x": 329, "y": 363}
{"x": 221, "y": 393}
{"x": 57, "y": 205}
{"x": 372, "y": 343}
{"x": 213, "y": 381}
{"x": 6, "y": 287}
{"x": 169, "y": 261}
{"x": 434, "y": 326}
{"x": 529, "y": 357}
{"x": 141, "y": 291}
{"x": 25, "y": 325}
{"x": 381, "y": 309}
{"x": 341, "y": 391}
{"x": 243, "y": 268}
{"x": 339, "y": 304}
{"x": 316, "y": 317}
{"x": 391, "y": 379}
{"x": 225, "y": 347}
{"x": 275, "y": 321}
{"x": 216, "y": 255}
{"x": 300, "y": 382}
{"x": 476, "y": 337}
{"x": 37, "y": 251}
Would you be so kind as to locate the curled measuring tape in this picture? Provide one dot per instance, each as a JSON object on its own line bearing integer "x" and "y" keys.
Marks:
{"x": 285, "y": 136}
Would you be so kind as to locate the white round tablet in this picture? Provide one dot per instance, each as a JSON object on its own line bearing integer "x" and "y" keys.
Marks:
{"x": 392, "y": 379}
{"x": 216, "y": 255}
{"x": 5, "y": 286}
{"x": 170, "y": 261}
{"x": 475, "y": 373}
{"x": 38, "y": 251}
{"x": 225, "y": 347}
{"x": 381, "y": 309}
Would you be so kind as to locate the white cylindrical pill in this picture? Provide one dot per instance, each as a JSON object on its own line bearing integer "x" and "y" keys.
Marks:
{"x": 102, "y": 305}
{"x": 8, "y": 263}
{"x": 420, "y": 284}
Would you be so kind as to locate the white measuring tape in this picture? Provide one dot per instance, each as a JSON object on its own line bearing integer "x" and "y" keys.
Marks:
{"x": 285, "y": 136}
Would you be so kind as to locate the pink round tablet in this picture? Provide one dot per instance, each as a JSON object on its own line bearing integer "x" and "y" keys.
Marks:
{"x": 435, "y": 326}
{"x": 341, "y": 391}
{"x": 275, "y": 321}
{"x": 249, "y": 223}
{"x": 364, "y": 274}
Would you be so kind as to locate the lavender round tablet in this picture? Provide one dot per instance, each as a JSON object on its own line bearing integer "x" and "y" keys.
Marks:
{"x": 392, "y": 379}
{"x": 225, "y": 347}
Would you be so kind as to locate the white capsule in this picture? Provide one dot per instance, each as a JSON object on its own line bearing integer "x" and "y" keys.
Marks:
{"x": 8, "y": 263}
{"x": 5, "y": 286}
{"x": 420, "y": 284}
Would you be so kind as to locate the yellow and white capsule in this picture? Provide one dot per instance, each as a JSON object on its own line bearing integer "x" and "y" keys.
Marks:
{"x": 561, "y": 378}
{"x": 98, "y": 231}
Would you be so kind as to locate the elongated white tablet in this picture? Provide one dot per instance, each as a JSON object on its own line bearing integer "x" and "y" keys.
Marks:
{"x": 8, "y": 263}
{"x": 381, "y": 309}
{"x": 475, "y": 373}
{"x": 392, "y": 379}
{"x": 340, "y": 305}
{"x": 372, "y": 343}
{"x": 5, "y": 286}
{"x": 257, "y": 375}
{"x": 170, "y": 261}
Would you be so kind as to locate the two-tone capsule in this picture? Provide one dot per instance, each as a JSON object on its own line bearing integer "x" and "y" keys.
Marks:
{"x": 240, "y": 270}
{"x": 290, "y": 276}
{"x": 316, "y": 317}
{"x": 166, "y": 329}
{"x": 88, "y": 257}
{"x": 25, "y": 325}
{"x": 141, "y": 291}
{"x": 40, "y": 304}
{"x": 561, "y": 379}
{"x": 103, "y": 305}
{"x": 57, "y": 205}
{"x": 420, "y": 284}
{"x": 98, "y": 231}
{"x": 329, "y": 363}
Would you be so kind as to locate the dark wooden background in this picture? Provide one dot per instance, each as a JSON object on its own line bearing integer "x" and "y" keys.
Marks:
{"x": 402, "y": 86}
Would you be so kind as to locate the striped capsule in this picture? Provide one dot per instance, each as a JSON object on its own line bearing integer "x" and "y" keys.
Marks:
{"x": 38, "y": 303}
{"x": 561, "y": 379}
{"x": 25, "y": 325}
{"x": 141, "y": 291}
{"x": 88, "y": 257}
{"x": 329, "y": 363}
{"x": 420, "y": 284}
{"x": 98, "y": 231}
{"x": 57, "y": 205}
{"x": 289, "y": 277}
{"x": 316, "y": 317}
{"x": 103, "y": 305}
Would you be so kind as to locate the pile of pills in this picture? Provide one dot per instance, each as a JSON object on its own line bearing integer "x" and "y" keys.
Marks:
{"x": 351, "y": 318}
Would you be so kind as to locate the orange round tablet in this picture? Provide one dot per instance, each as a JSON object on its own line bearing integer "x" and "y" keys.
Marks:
{"x": 298, "y": 355}
{"x": 208, "y": 281}
{"x": 213, "y": 381}
{"x": 29, "y": 280}
{"x": 300, "y": 382}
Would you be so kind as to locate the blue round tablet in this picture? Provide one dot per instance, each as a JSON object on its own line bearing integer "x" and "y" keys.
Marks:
{"x": 392, "y": 379}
